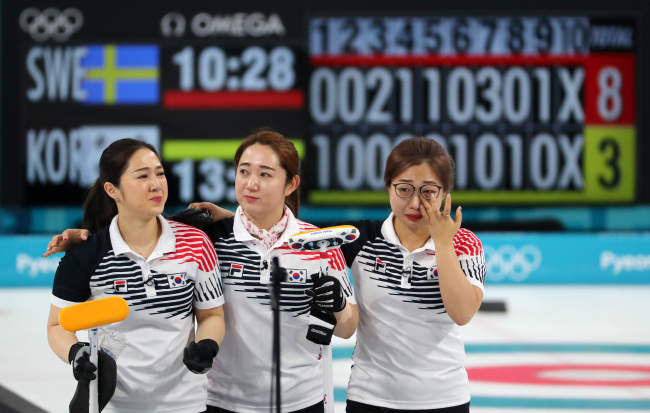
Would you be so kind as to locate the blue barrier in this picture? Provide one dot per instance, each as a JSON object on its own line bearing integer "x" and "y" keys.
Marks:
{"x": 21, "y": 262}
{"x": 511, "y": 258}
{"x": 633, "y": 218}
{"x": 567, "y": 258}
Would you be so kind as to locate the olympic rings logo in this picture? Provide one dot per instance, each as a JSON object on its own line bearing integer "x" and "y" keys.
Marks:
{"x": 512, "y": 262}
{"x": 51, "y": 22}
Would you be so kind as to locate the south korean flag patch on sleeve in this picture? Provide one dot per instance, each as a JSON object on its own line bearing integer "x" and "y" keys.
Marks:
{"x": 177, "y": 280}
{"x": 296, "y": 275}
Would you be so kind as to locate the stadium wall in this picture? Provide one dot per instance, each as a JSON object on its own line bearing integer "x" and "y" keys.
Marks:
{"x": 512, "y": 259}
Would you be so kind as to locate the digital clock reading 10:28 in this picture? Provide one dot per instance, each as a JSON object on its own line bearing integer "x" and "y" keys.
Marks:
{"x": 253, "y": 68}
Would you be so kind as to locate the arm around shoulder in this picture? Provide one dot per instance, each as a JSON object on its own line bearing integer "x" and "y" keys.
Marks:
{"x": 66, "y": 240}
{"x": 218, "y": 213}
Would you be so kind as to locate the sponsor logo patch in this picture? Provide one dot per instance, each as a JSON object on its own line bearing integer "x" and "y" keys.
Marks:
{"x": 380, "y": 267}
{"x": 120, "y": 286}
{"x": 236, "y": 270}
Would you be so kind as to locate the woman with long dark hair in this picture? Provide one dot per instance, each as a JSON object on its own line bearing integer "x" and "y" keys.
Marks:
{"x": 267, "y": 185}
{"x": 166, "y": 271}
{"x": 417, "y": 275}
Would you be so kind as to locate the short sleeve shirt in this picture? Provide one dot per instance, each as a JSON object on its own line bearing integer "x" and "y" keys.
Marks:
{"x": 181, "y": 274}
{"x": 240, "y": 377}
{"x": 409, "y": 354}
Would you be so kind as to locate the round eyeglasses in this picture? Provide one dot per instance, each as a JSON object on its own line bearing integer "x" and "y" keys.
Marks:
{"x": 405, "y": 190}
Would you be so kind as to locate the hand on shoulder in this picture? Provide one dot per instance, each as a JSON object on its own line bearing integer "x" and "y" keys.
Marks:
{"x": 66, "y": 240}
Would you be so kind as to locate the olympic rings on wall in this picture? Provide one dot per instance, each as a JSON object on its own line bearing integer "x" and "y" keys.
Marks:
{"x": 511, "y": 262}
{"x": 51, "y": 23}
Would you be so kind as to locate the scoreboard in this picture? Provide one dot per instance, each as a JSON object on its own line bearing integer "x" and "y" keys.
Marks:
{"x": 533, "y": 109}
{"x": 536, "y": 106}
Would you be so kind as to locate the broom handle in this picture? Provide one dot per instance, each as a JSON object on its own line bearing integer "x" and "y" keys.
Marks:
{"x": 94, "y": 393}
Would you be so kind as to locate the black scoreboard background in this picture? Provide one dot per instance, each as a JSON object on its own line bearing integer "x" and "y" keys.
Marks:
{"x": 539, "y": 102}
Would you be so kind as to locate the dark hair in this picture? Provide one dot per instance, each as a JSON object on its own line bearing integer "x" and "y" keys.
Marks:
{"x": 416, "y": 151}
{"x": 287, "y": 153}
{"x": 99, "y": 208}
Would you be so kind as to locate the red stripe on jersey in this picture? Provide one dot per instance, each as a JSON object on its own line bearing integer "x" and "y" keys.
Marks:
{"x": 304, "y": 255}
{"x": 192, "y": 245}
{"x": 334, "y": 257}
{"x": 305, "y": 226}
{"x": 337, "y": 261}
{"x": 196, "y": 246}
{"x": 466, "y": 243}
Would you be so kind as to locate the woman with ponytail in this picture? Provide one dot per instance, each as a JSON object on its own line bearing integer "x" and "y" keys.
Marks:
{"x": 267, "y": 182}
{"x": 267, "y": 185}
{"x": 418, "y": 276}
{"x": 137, "y": 254}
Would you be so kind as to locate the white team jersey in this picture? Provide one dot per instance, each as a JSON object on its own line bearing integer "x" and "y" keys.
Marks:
{"x": 409, "y": 354}
{"x": 180, "y": 274}
{"x": 240, "y": 378}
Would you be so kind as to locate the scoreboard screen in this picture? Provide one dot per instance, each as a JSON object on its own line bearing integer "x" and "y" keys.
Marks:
{"x": 536, "y": 106}
{"x": 532, "y": 109}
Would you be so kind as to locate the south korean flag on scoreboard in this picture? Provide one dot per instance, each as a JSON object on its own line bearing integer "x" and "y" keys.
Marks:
{"x": 296, "y": 275}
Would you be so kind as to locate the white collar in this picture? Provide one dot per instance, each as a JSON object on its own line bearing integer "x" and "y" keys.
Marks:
{"x": 388, "y": 231}
{"x": 166, "y": 242}
{"x": 242, "y": 234}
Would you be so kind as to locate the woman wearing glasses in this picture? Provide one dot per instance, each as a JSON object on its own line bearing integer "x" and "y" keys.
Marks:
{"x": 267, "y": 190}
{"x": 417, "y": 277}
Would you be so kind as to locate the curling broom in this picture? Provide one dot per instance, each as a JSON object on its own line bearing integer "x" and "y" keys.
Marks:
{"x": 89, "y": 316}
{"x": 322, "y": 240}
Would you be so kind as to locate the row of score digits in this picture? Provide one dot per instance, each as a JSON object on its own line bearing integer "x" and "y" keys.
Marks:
{"x": 533, "y": 109}
{"x": 487, "y": 94}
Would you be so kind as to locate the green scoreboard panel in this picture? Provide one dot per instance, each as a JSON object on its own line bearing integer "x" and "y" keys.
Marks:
{"x": 538, "y": 106}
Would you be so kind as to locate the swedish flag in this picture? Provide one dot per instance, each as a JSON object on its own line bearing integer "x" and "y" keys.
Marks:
{"x": 120, "y": 74}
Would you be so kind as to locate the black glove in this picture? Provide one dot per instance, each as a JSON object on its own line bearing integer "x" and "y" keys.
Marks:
{"x": 198, "y": 218}
{"x": 327, "y": 293}
{"x": 321, "y": 326}
{"x": 79, "y": 358}
{"x": 84, "y": 371}
{"x": 198, "y": 356}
